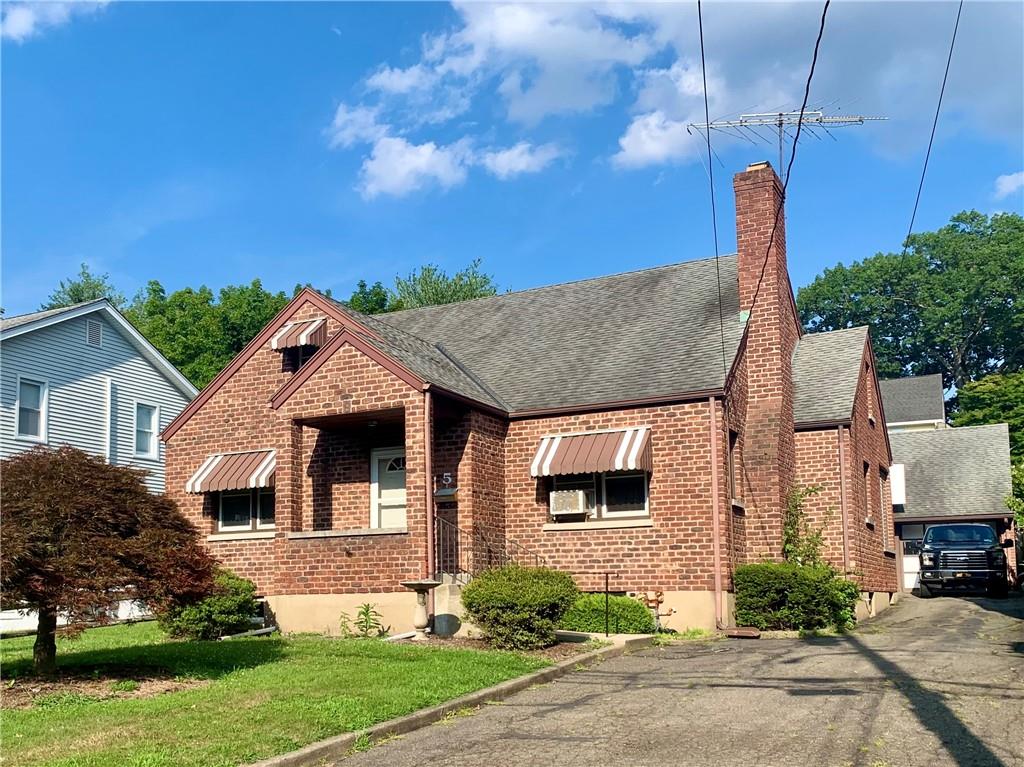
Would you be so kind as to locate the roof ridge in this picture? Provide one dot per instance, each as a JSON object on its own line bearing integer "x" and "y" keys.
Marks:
{"x": 55, "y": 310}
{"x": 581, "y": 280}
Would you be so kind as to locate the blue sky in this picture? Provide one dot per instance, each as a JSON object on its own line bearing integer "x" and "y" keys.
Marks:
{"x": 212, "y": 143}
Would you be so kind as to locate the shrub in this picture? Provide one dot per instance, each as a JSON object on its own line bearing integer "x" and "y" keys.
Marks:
{"x": 228, "y": 610}
{"x": 519, "y": 608}
{"x": 789, "y": 596}
{"x": 625, "y": 615}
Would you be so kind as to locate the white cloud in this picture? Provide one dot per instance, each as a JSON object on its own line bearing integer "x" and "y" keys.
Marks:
{"x": 519, "y": 159}
{"x": 393, "y": 80}
{"x": 354, "y": 125}
{"x": 22, "y": 20}
{"x": 653, "y": 139}
{"x": 396, "y": 167}
{"x": 1009, "y": 184}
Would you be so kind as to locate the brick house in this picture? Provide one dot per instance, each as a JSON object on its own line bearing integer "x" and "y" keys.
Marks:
{"x": 648, "y": 424}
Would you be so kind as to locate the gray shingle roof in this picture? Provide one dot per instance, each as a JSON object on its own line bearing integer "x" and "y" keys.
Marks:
{"x": 9, "y": 323}
{"x": 826, "y": 369}
{"x": 627, "y": 336}
{"x": 963, "y": 471}
{"x": 917, "y": 398}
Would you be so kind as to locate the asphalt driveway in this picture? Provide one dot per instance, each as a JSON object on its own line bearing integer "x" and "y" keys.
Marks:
{"x": 931, "y": 682}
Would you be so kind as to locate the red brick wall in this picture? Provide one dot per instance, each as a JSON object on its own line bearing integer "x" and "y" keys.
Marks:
{"x": 817, "y": 465}
{"x": 238, "y": 417}
{"x": 674, "y": 554}
{"x": 772, "y": 332}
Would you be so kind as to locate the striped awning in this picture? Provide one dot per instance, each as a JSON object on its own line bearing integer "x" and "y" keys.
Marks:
{"x": 304, "y": 333}
{"x": 234, "y": 471}
{"x": 618, "y": 450}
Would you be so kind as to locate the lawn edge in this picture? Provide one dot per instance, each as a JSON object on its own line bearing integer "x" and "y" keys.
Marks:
{"x": 339, "y": 746}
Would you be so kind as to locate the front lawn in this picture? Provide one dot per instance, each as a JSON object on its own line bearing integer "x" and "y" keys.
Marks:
{"x": 255, "y": 697}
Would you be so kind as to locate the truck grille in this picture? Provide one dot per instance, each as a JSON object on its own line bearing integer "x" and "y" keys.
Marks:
{"x": 963, "y": 560}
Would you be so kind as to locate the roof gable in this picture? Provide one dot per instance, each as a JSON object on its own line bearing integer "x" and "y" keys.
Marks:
{"x": 915, "y": 398}
{"x": 14, "y": 327}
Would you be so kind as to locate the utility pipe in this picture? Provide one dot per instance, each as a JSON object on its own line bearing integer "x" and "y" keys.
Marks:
{"x": 842, "y": 500}
{"x": 428, "y": 432}
{"x": 715, "y": 511}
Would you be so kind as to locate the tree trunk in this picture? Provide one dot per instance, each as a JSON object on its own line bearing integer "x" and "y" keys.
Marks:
{"x": 44, "y": 652}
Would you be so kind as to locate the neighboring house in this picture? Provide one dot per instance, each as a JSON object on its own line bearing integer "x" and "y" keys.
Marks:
{"x": 916, "y": 403}
{"x": 942, "y": 474}
{"x": 649, "y": 425}
{"x": 83, "y": 376}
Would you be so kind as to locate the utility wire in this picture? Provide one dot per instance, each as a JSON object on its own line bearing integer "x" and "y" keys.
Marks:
{"x": 711, "y": 182}
{"x": 792, "y": 156}
{"x": 931, "y": 138}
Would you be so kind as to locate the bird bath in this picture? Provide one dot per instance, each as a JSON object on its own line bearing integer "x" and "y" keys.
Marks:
{"x": 420, "y": 619}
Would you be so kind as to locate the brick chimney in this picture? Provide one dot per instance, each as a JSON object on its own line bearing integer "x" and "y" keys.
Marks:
{"x": 772, "y": 333}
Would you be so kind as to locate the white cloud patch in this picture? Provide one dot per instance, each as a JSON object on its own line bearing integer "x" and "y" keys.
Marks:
{"x": 22, "y": 20}
{"x": 653, "y": 139}
{"x": 397, "y": 167}
{"x": 354, "y": 125}
{"x": 1009, "y": 184}
{"x": 519, "y": 159}
{"x": 400, "y": 81}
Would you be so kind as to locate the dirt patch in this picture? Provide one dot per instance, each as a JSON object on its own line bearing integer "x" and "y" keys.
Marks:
{"x": 555, "y": 653}
{"x": 73, "y": 687}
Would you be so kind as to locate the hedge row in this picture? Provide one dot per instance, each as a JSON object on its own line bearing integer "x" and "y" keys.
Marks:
{"x": 625, "y": 615}
{"x": 789, "y": 596}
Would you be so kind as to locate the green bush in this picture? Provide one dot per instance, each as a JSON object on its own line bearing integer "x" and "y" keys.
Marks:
{"x": 789, "y": 596}
{"x": 228, "y": 610}
{"x": 519, "y": 608}
{"x": 626, "y": 615}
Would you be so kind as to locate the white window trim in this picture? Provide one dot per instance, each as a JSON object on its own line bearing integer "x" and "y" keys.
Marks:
{"x": 600, "y": 511}
{"x": 375, "y": 455}
{"x": 154, "y": 454}
{"x": 44, "y": 411}
{"x": 260, "y": 492}
{"x": 605, "y": 514}
{"x": 221, "y": 527}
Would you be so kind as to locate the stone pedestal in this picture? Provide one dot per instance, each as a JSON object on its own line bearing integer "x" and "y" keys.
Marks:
{"x": 420, "y": 618}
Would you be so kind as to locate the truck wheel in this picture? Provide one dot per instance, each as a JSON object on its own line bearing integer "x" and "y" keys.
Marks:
{"x": 999, "y": 591}
{"x": 925, "y": 592}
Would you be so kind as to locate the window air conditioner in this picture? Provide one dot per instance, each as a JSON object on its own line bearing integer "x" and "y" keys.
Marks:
{"x": 565, "y": 502}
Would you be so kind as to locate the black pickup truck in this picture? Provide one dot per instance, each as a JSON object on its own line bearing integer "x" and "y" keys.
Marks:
{"x": 963, "y": 557}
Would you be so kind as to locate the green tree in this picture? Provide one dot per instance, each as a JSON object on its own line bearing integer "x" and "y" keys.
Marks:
{"x": 994, "y": 399}
{"x": 370, "y": 299}
{"x": 430, "y": 286}
{"x": 951, "y": 306}
{"x": 81, "y": 535}
{"x": 198, "y": 333}
{"x": 85, "y": 286}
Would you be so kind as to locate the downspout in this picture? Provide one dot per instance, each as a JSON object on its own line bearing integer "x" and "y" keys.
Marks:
{"x": 428, "y": 441}
{"x": 842, "y": 501}
{"x": 716, "y": 544}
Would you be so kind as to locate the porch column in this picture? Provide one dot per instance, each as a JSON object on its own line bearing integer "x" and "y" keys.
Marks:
{"x": 289, "y": 481}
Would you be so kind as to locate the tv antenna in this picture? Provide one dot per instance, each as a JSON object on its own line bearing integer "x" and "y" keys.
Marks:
{"x": 749, "y": 127}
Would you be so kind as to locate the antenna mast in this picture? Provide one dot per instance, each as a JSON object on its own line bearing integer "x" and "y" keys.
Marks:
{"x": 749, "y": 126}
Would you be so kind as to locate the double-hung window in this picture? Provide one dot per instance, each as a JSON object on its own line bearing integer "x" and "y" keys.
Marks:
{"x": 145, "y": 430}
{"x": 243, "y": 510}
{"x": 606, "y": 495}
{"x": 32, "y": 402}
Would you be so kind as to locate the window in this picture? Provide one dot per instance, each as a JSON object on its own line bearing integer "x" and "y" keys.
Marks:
{"x": 297, "y": 356}
{"x": 612, "y": 495}
{"x": 32, "y": 401}
{"x": 867, "y": 493}
{"x": 145, "y": 430}
{"x": 246, "y": 510}
{"x": 734, "y": 484}
{"x": 94, "y": 333}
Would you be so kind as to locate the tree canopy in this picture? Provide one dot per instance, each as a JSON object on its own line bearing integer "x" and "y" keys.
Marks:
{"x": 994, "y": 399}
{"x": 85, "y": 286}
{"x": 952, "y": 305}
{"x": 428, "y": 286}
{"x": 81, "y": 535}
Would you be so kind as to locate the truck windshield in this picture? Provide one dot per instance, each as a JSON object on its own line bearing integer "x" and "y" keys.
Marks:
{"x": 960, "y": 534}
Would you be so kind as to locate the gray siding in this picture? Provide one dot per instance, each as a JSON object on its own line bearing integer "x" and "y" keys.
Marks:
{"x": 77, "y": 375}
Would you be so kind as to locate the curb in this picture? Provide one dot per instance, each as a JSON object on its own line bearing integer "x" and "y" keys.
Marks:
{"x": 341, "y": 745}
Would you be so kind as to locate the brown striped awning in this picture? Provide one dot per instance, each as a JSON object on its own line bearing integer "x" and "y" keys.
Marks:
{"x": 304, "y": 333}
{"x": 234, "y": 471}
{"x": 618, "y": 450}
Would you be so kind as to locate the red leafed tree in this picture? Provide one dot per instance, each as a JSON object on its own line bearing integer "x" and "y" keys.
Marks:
{"x": 79, "y": 535}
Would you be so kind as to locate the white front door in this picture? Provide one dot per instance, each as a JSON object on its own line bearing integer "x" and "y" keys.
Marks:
{"x": 387, "y": 487}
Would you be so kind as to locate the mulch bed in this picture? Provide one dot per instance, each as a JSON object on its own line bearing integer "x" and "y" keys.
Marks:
{"x": 555, "y": 653}
{"x": 72, "y": 686}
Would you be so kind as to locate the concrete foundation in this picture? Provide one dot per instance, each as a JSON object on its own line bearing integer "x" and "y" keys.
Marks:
{"x": 321, "y": 613}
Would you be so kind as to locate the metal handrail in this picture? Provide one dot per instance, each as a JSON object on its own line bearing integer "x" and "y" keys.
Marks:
{"x": 460, "y": 554}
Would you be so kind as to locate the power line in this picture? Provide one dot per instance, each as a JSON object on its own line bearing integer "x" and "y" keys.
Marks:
{"x": 792, "y": 156}
{"x": 711, "y": 182}
{"x": 931, "y": 138}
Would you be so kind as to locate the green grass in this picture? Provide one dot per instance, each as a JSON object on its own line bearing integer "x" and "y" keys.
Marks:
{"x": 266, "y": 696}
